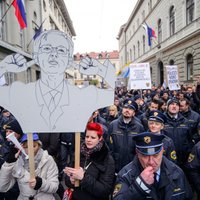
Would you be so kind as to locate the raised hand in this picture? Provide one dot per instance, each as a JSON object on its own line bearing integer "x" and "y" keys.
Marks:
{"x": 148, "y": 175}
{"x": 14, "y": 63}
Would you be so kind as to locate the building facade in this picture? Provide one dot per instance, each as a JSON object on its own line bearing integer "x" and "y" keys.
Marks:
{"x": 52, "y": 13}
{"x": 177, "y": 26}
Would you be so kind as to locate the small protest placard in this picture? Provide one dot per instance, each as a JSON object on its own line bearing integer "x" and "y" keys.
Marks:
{"x": 140, "y": 76}
{"x": 172, "y": 77}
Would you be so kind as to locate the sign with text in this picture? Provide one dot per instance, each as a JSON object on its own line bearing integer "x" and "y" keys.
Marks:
{"x": 172, "y": 77}
{"x": 140, "y": 76}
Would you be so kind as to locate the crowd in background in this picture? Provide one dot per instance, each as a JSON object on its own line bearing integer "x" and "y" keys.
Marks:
{"x": 130, "y": 114}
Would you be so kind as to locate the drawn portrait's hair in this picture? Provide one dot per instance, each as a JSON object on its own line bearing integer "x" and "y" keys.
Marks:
{"x": 44, "y": 35}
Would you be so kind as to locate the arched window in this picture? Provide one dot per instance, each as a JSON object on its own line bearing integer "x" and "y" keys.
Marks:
{"x": 100, "y": 56}
{"x": 44, "y": 6}
{"x": 160, "y": 73}
{"x": 172, "y": 20}
{"x": 131, "y": 54}
{"x": 150, "y": 5}
{"x": 34, "y": 16}
{"x": 189, "y": 69}
{"x": 134, "y": 52}
{"x": 189, "y": 11}
{"x": 138, "y": 49}
{"x": 159, "y": 31}
{"x": 143, "y": 40}
{"x": 171, "y": 62}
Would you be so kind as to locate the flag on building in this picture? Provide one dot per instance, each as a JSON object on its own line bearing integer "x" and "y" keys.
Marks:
{"x": 20, "y": 13}
{"x": 38, "y": 31}
{"x": 150, "y": 33}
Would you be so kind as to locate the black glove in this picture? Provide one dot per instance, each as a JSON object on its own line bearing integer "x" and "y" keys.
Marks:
{"x": 38, "y": 183}
{"x": 11, "y": 155}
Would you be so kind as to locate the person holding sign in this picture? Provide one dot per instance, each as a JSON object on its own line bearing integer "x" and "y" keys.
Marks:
{"x": 97, "y": 171}
{"x": 17, "y": 170}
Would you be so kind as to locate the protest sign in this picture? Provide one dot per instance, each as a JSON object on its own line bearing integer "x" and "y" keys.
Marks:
{"x": 172, "y": 77}
{"x": 140, "y": 76}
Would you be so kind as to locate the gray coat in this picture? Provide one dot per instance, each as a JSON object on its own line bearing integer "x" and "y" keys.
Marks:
{"x": 46, "y": 169}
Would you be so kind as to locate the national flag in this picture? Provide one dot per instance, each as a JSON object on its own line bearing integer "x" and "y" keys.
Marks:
{"x": 38, "y": 31}
{"x": 150, "y": 32}
{"x": 20, "y": 13}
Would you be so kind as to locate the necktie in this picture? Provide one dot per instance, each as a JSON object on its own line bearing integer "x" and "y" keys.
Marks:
{"x": 156, "y": 183}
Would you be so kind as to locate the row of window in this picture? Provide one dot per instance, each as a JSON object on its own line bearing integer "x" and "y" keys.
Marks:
{"x": 55, "y": 10}
{"x": 189, "y": 18}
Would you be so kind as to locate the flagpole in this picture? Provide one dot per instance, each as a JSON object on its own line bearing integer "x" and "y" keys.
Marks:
{"x": 6, "y": 11}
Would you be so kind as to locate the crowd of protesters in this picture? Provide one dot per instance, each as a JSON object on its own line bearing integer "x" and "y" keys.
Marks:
{"x": 119, "y": 149}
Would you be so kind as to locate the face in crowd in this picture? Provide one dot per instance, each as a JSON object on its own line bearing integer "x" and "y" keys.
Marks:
{"x": 173, "y": 108}
{"x": 36, "y": 147}
{"x": 154, "y": 160}
{"x": 92, "y": 138}
{"x": 128, "y": 112}
{"x": 155, "y": 127}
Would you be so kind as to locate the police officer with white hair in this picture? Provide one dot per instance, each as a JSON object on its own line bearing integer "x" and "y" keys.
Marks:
{"x": 150, "y": 175}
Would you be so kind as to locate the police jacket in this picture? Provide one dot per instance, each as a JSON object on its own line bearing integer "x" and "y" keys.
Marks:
{"x": 194, "y": 119}
{"x": 172, "y": 184}
{"x": 180, "y": 132}
{"x": 121, "y": 143}
{"x": 169, "y": 148}
{"x": 144, "y": 119}
{"x": 99, "y": 177}
{"x": 193, "y": 167}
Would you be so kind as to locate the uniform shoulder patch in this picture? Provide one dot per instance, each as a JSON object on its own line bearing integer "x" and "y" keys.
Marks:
{"x": 191, "y": 157}
{"x": 173, "y": 155}
{"x": 117, "y": 189}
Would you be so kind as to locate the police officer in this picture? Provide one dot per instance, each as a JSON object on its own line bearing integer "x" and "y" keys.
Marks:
{"x": 178, "y": 129}
{"x": 150, "y": 175}
{"x": 191, "y": 115}
{"x": 153, "y": 105}
{"x": 193, "y": 168}
{"x": 156, "y": 123}
{"x": 121, "y": 132}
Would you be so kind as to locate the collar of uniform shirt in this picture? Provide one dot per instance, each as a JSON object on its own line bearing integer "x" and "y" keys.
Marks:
{"x": 157, "y": 173}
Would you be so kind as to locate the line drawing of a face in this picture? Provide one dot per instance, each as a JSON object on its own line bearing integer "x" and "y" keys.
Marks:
{"x": 53, "y": 53}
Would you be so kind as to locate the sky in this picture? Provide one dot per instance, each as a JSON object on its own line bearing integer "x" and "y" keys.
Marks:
{"x": 97, "y": 23}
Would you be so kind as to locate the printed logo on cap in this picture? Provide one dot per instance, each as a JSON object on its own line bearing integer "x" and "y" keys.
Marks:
{"x": 147, "y": 139}
{"x": 129, "y": 102}
{"x": 155, "y": 114}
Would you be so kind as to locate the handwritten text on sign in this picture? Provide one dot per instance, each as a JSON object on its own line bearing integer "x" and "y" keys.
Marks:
{"x": 140, "y": 76}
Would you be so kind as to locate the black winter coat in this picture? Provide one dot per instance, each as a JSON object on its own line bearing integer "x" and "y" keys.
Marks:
{"x": 121, "y": 140}
{"x": 98, "y": 180}
{"x": 193, "y": 168}
{"x": 179, "y": 131}
{"x": 173, "y": 184}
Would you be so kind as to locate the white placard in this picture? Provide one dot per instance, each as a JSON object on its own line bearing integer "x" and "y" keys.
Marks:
{"x": 140, "y": 76}
{"x": 172, "y": 77}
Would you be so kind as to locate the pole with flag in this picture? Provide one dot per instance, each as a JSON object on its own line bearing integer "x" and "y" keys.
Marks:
{"x": 150, "y": 33}
{"x": 37, "y": 33}
{"x": 20, "y": 12}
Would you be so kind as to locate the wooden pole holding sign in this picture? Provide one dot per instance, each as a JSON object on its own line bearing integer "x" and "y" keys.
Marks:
{"x": 31, "y": 155}
{"x": 77, "y": 153}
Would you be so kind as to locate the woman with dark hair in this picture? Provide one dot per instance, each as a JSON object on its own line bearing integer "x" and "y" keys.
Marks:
{"x": 96, "y": 173}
